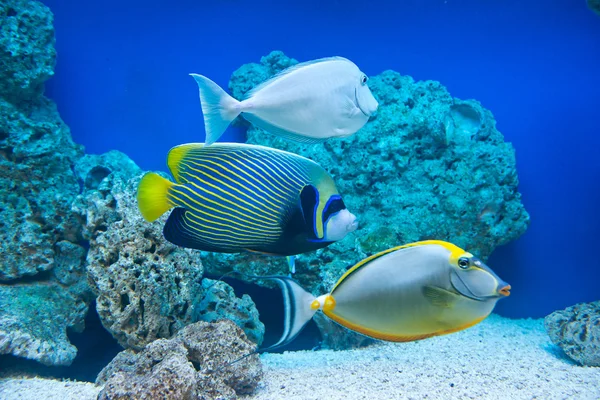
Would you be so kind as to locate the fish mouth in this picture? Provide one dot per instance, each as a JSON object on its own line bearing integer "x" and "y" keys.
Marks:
{"x": 358, "y": 104}
{"x": 352, "y": 226}
{"x": 505, "y": 291}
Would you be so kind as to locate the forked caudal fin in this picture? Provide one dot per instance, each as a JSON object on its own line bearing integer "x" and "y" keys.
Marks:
{"x": 218, "y": 107}
{"x": 298, "y": 306}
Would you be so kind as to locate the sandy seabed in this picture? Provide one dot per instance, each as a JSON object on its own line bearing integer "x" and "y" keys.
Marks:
{"x": 498, "y": 359}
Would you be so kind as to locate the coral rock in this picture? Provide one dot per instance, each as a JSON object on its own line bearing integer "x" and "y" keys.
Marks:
{"x": 27, "y": 53}
{"x": 166, "y": 368}
{"x": 161, "y": 371}
{"x": 43, "y": 289}
{"x": 576, "y": 330}
{"x": 147, "y": 287}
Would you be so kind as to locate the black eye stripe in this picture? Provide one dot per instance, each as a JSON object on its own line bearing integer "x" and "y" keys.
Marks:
{"x": 334, "y": 205}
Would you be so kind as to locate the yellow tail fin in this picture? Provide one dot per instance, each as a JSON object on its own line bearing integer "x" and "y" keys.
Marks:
{"x": 152, "y": 196}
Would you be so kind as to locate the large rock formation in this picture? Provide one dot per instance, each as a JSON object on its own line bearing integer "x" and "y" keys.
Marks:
{"x": 428, "y": 166}
{"x": 42, "y": 276}
{"x": 56, "y": 203}
{"x": 147, "y": 288}
{"x": 576, "y": 330}
{"x": 191, "y": 365}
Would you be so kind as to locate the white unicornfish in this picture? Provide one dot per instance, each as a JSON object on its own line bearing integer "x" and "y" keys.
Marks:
{"x": 402, "y": 294}
{"x": 307, "y": 102}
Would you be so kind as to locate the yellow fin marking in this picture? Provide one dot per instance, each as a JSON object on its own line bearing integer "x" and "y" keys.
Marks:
{"x": 391, "y": 337}
{"x": 329, "y": 303}
{"x": 177, "y": 154}
{"x": 152, "y": 196}
{"x": 449, "y": 246}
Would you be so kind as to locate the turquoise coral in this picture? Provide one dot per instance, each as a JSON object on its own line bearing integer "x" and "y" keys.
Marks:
{"x": 27, "y": 54}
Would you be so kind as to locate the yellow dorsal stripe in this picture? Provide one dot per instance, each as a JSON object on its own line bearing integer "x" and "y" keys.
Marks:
{"x": 270, "y": 188}
{"x": 251, "y": 231}
{"x": 177, "y": 154}
{"x": 222, "y": 190}
{"x": 265, "y": 216}
{"x": 281, "y": 169}
{"x": 210, "y": 239}
{"x": 234, "y": 212}
{"x": 182, "y": 203}
{"x": 220, "y": 165}
{"x": 266, "y": 200}
{"x": 207, "y": 230}
{"x": 449, "y": 246}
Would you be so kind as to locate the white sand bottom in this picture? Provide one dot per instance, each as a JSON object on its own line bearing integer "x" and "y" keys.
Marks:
{"x": 497, "y": 359}
{"x": 46, "y": 389}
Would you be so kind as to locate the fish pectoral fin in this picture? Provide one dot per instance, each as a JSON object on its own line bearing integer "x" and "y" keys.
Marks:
{"x": 281, "y": 132}
{"x": 349, "y": 107}
{"x": 440, "y": 297}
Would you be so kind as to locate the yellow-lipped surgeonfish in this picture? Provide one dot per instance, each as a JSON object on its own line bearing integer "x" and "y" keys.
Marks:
{"x": 232, "y": 197}
{"x": 402, "y": 294}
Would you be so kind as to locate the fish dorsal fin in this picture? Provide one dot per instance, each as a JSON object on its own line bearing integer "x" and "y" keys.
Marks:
{"x": 288, "y": 71}
{"x": 176, "y": 155}
{"x": 449, "y": 246}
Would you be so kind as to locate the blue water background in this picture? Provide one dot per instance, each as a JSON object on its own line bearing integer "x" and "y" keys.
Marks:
{"x": 122, "y": 83}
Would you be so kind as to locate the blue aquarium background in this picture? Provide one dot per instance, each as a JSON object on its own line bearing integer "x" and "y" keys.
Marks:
{"x": 122, "y": 83}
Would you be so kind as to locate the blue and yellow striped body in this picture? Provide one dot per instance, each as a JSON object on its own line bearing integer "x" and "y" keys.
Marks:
{"x": 231, "y": 198}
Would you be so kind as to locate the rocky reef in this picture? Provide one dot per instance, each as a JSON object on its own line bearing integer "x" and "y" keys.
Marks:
{"x": 576, "y": 330}
{"x": 194, "y": 364}
{"x": 428, "y": 166}
{"x": 146, "y": 287}
{"x": 71, "y": 231}
{"x": 43, "y": 288}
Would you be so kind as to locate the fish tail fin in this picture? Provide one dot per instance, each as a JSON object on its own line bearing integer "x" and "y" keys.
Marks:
{"x": 152, "y": 196}
{"x": 218, "y": 107}
{"x": 299, "y": 306}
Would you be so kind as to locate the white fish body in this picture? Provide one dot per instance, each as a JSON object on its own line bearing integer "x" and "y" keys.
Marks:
{"x": 308, "y": 102}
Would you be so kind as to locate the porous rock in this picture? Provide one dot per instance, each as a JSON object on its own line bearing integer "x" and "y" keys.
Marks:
{"x": 148, "y": 288}
{"x": 576, "y": 330}
{"x": 219, "y": 301}
{"x": 160, "y": 371}
{"x": 43, "y": 290}
{"x": 428, "y": 166}
{"x": 27, "y": 54}
{"x": 191, "y": 365}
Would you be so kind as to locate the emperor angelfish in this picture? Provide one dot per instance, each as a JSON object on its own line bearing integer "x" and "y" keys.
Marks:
{"x": 307, "y": 102}
{"x": 402, "y": 294}
{"x": 231, "y": 197}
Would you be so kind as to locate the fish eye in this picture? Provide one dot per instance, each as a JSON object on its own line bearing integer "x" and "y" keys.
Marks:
{"x": 463, "y": 262}
{"x": 364, "y": 79}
